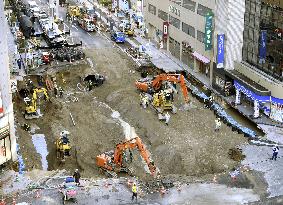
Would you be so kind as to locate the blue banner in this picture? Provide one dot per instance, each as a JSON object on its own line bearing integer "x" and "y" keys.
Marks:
{"x": 250, "y": 94}
{"x": 262, "y": 46}
{"x": 220, "y": 50}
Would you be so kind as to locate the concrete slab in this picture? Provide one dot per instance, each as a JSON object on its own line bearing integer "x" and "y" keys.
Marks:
{"x": 258, "y": 158}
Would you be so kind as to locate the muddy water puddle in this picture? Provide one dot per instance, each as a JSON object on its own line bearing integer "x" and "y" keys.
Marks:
{"x": 41, "y": 148}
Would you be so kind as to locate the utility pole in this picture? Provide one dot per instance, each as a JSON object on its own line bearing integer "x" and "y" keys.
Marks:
{"x": 7, "y": 138}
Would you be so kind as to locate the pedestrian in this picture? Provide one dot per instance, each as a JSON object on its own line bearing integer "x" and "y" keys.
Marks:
{"x": 61, "y": 92}
{"x": 217, "y": 124}
{"x": 167, "y": 118}
{"x": 135, "y": 192}
{"x": 275, "y": 150}
{"x": 19, "y": 62}
{"x": 77, "y": 177}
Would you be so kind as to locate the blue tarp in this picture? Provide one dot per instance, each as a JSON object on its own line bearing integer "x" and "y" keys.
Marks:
{"x": 219, "y": 111}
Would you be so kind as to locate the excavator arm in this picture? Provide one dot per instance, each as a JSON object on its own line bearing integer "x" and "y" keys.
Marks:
{"x": 157, "y": 82}
{"x": 131, "y": 144}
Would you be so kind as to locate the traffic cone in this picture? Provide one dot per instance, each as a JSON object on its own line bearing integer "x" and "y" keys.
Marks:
{"x": 2, "y": 202}
{"x": 162, "y": 190}
{"x": 37, "y": 194}
{"x": 14, "y": 201}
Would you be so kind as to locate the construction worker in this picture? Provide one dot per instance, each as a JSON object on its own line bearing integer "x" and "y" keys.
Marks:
{"x": 135, "y": 192}
{"x": 77, "y": 177}
{"x": 217, "y": 124}
{"x": 167, "y": 118}
{"x": 61, "y": 92}
{"x": 145, "y": 101}
{"x": 275, "y": 150}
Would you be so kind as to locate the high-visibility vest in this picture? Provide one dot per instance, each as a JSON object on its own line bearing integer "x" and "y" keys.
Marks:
{"x": 134, "y": 189}
{"x": 1, "y": 106}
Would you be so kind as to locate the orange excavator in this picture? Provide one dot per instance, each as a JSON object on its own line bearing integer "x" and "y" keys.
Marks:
{"x": 153, "y": 86}
{"x": 112, "y": 161}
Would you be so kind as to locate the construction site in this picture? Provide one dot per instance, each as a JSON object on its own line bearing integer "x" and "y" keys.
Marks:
{"x": 99, "y": 111}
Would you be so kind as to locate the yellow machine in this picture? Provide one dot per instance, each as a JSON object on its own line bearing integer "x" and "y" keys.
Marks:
{"x": 163, "y": 100}
{"x": 31, "y": 111}
{"x": 73, "y": 11}
{"x": 63, "y": 146}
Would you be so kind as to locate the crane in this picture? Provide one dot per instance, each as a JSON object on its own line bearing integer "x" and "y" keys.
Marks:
{"x": 113, "y": 161}
{"x": 154, "y": 85}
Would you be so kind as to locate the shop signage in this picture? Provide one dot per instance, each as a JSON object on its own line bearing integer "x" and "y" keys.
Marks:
{"x": 262, "y": 46}
{"x": 165, "y": 29}
{"x": 220, "y": 50}
{"x": 174, "y": 10}
{"x": 208, "y": 31}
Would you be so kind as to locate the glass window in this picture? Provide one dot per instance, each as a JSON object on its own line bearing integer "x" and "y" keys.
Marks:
{"x": 179, "y": 2}
{"x": 151, "y": 9}
{"x": 163, "y": 15}
{"x": 202, "y": 10}
{"x": 174, "y": 21}
{"x": 188, "y": 4}
{"x": 188, "y": 29}
{"x": 200, "y": 36}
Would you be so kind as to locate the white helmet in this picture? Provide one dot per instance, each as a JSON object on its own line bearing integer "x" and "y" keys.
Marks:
{"x": 64, "y": 132}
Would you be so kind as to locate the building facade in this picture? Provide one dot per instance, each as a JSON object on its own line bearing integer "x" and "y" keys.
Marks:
{"x": 184, "y": 36}
{"x": 255, "y": 74}
{"x": 7, "y": 129}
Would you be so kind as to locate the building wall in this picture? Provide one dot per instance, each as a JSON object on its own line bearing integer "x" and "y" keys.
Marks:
{"x": 192, "y": 18}
{"x": 5, "y": 86}
{"x": 229, "y": 20}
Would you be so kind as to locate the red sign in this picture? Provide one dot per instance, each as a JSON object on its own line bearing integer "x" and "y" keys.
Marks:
{"x": 165, "y": 29}
{"x": 1, "y": 106}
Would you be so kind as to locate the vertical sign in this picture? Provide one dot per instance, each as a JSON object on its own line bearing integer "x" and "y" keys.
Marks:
{"x": 220, "y": 50}
{"x": 262, "y": 46}
{"x": 208, "y": 31}
{"x": 165, "y": 29}
{"x": 1, "y": 106}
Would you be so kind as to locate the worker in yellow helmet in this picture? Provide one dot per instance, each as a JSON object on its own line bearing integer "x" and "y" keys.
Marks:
{"x": 135, "y": 191}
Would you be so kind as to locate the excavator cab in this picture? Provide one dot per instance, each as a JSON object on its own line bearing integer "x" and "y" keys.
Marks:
{"x": 63, "y": 146}
{"x": 31, "y": 110}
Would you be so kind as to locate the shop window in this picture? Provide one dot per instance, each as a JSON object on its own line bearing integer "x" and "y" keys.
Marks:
{"x": 174, "y": 21}
{"x": 151, "y": 9}
{"x": 188, "y": 29}
{"x": 200, "y": 36}
{"x": 219, "y": 82}
{"x": 179, "y": 2}
{"x": 163, "y": 15}
{"x": 188, "y": 4}
{"x": 202, "y": 10}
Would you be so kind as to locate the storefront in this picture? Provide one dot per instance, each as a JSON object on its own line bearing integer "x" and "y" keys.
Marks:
{"x": 187, "y": 57}
{"x": 174, "y": 47}
{"x": 201, "y": 63}
{"x": 5, "y": 144}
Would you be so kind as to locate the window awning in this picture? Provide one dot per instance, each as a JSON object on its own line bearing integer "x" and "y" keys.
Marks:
{"x": 201, "y": 57}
